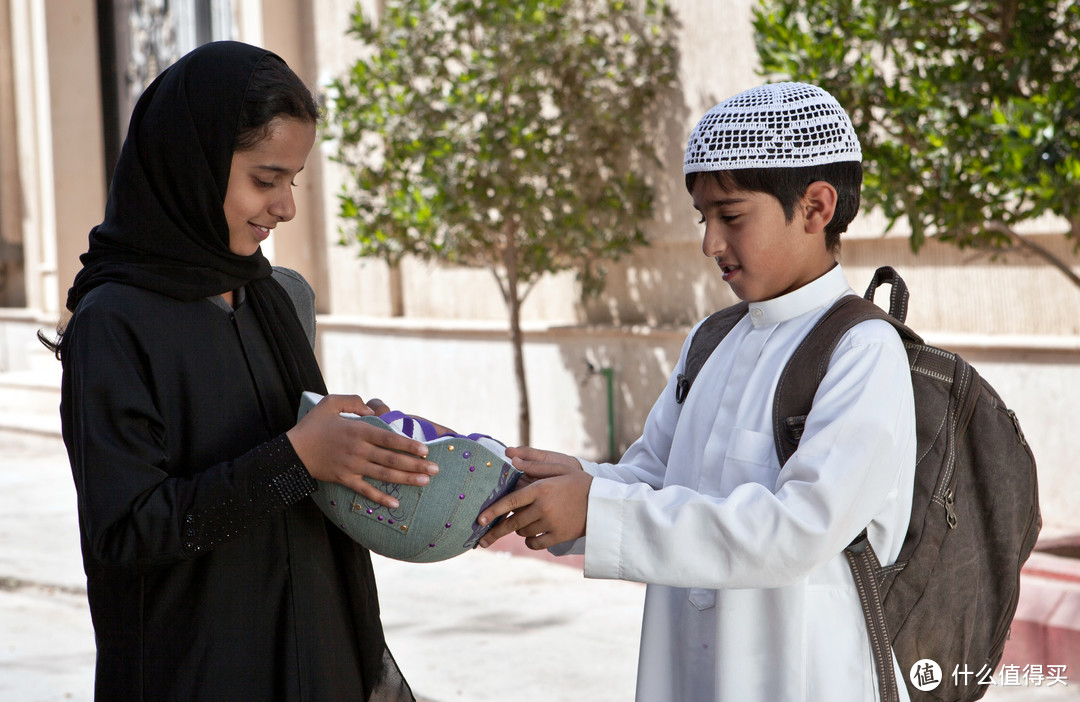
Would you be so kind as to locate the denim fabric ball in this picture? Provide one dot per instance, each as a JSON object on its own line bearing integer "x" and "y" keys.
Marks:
{"x": 433, "y": 522}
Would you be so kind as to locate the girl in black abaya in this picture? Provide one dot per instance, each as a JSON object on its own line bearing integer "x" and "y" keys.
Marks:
{"x": 211, "y": 574}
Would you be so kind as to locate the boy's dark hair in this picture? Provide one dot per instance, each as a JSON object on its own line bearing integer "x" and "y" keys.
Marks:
{"x": 273, "y": 91}
{"x": 788, "y": 185}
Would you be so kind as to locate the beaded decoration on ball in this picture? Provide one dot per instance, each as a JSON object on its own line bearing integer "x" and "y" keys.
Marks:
{"x": 780, "y": 125}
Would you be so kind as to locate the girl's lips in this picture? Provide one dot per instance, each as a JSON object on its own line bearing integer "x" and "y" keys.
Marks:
{"x": 261, "y": 233}
{"x": 729, "y": 271}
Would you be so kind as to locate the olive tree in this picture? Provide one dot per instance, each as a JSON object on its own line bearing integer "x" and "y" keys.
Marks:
{"x": 968, "y": 110}
{"x": 512, "y": 135}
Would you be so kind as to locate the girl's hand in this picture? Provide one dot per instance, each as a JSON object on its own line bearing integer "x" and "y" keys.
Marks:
{"x": 345, "y": 451}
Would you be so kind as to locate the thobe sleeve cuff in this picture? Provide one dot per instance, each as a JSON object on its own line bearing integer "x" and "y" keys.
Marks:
{"x": 568, "y": 548}
{"x": 604, "y": 528}
{"x": 589, "y": 467}
{"x": 269, "y": 478}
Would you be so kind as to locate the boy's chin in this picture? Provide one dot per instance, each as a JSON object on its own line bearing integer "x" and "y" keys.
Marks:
{"x": 748, "y": 294}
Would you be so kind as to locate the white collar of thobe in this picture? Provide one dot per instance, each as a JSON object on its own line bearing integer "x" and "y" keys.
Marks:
{"x": 817, "y": 294}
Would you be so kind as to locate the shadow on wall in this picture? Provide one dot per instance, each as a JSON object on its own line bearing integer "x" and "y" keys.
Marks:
{"x": 669, "y": 282}
{"x": 637, "y": 365}
{"x": 651, "y": 300}
{"x": 12, "y": 274}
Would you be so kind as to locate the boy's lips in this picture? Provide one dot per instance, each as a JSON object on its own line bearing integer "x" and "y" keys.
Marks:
{"x": 728, "y": 270}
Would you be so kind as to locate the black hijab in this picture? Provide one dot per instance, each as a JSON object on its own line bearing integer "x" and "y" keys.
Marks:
{"x": 165, "y": 228}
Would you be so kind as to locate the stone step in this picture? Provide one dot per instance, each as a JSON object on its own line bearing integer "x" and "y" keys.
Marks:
{"x": 30, "y": 400}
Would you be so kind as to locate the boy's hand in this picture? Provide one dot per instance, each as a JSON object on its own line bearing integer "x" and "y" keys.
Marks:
{"x": 528, "y": 455}
{"x": 340, "y": 450}
{"x": 532, "y": 460}
{"x": 551, "y": 510}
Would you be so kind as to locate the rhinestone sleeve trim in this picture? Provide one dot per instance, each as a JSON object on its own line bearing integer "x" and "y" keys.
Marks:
{"x": 277, "y": 480}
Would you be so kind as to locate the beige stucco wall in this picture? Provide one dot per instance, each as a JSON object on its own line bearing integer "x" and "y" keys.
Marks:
{"x": 353, "y": 286}
{"x": 12, "y": 280}
{"x": 78, "y": 162}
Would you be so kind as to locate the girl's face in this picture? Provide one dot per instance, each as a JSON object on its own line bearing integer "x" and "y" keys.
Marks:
{"x": 760, "y": 254}
{"x": 259, "y": 195}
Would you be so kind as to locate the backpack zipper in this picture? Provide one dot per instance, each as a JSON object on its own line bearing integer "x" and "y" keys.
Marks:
{"x": 950, "y": 512}
{"x": 969, "y": 393}
{"x": 1016, "y": 423}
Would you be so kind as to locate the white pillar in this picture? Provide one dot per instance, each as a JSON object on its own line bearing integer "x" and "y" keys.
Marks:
{"x": 30, "y": 65}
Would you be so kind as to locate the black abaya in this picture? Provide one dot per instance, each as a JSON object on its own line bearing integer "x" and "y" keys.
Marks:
{"x": 211, "y": 574}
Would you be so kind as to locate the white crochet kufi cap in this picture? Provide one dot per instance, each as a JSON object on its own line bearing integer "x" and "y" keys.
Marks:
{"x": 781, "y": 125}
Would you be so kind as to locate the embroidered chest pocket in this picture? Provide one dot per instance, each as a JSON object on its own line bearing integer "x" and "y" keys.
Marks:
{"x": 750, "y": 458}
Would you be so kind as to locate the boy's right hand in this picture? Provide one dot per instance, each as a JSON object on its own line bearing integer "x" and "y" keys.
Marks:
{"x": 552, "y": 509}
{"x": 339, "y": 450}
{"x": 528, "y": 459}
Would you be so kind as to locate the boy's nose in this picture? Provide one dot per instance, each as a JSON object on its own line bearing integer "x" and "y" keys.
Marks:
{"x": 712, "y": 243}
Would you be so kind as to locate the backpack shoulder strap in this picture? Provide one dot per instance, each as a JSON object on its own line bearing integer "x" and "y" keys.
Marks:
{"x": 806, "y": 368}
{"x": 794, "y": 396}
{"x": 707, "y": 337}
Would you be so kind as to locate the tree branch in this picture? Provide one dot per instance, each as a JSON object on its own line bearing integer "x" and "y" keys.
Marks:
{"x": 1036, "y": 249}
{"x": 502, "y": 285}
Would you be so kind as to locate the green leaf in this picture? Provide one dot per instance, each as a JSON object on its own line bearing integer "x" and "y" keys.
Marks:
{"x": 528, "y": 115}
{"x": 961, "y": 119}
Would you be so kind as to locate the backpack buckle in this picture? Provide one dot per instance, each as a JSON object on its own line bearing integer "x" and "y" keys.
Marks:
{"x": 682, "y": 388}
{"x": 860, "y": 543}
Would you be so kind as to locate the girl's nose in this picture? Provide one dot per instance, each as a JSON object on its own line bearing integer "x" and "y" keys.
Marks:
{"x": 284, "y": 207}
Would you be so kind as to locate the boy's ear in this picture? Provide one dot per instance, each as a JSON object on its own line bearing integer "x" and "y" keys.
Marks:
{"x": 819, "y": 204}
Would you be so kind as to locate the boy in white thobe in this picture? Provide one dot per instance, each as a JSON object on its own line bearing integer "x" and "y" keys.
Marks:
{"x": 750, "y": 597}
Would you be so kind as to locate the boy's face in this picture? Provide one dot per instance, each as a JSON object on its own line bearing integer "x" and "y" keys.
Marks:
{"x": 760, "y": 254}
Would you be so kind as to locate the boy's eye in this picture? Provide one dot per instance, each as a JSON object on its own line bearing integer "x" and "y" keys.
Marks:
{"x": 727, "y": 218}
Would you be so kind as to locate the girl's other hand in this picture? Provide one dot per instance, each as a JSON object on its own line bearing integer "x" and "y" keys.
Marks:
{"x": 340, "y": 450}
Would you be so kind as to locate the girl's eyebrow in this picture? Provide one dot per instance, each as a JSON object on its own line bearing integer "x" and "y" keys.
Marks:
{"x": 276, "y": 169}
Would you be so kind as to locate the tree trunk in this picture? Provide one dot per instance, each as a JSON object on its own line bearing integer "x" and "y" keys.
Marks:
{"x": 513, "y": 303}
{"x": 397, "y": 291}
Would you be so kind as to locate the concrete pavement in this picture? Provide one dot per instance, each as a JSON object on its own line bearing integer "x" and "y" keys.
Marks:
{"x": 481, "y": 627}
{"x": 484, "y": 626}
